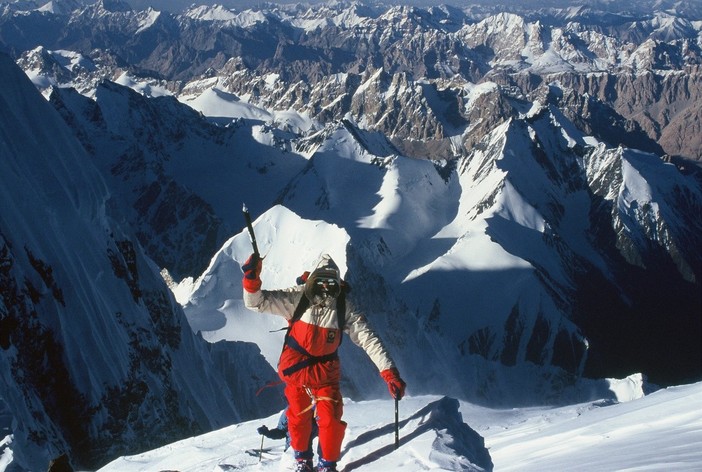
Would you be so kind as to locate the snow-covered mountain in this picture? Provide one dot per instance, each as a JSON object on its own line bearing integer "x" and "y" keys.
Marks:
{"x": 492, "y": 183}
{"x": 656, "y": 432}
{"x": 96, "y": 357}
{"x": 183, "y": 177}
{"x": 499, "y": 256}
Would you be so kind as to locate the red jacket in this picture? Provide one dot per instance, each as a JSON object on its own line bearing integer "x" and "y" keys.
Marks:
{"x": 317, "y": 333}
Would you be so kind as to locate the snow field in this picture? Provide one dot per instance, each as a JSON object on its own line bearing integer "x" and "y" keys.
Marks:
{"x": 661, "y": 431}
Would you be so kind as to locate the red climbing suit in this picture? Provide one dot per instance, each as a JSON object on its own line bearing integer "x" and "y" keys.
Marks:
{"x": 316, "y": 334}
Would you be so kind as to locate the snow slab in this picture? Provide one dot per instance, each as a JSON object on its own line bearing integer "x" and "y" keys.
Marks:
{"x": 289, "y": 245}
{"x": 661, "y": 431}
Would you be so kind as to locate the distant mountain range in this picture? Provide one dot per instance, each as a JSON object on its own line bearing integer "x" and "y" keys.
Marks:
{"x": 627, "y": 76}
{"x": 515, "y": 196}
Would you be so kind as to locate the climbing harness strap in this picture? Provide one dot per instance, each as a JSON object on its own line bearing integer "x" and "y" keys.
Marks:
{"x": 315, "y": 399}
{"x": 310, "y": 360}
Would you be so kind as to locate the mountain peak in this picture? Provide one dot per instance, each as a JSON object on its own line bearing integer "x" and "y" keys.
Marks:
{"x": 113, "y": 6}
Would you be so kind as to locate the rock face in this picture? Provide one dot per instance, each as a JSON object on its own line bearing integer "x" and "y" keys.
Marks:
{"x": 664, "y": 106}
{"x": 137, "y": 163}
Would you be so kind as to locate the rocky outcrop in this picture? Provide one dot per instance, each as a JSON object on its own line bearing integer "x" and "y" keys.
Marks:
{"x": 663, "y": 105}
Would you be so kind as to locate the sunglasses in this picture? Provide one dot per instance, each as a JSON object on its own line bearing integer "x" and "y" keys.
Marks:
{"x": 324, "y": 281}
{"x": 326, "y": 285}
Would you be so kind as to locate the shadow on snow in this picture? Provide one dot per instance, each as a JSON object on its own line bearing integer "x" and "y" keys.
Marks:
{"x": 456, "y": 447}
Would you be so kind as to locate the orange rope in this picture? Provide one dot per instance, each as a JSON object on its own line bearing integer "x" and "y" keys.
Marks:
{"x": 315, "y": 400}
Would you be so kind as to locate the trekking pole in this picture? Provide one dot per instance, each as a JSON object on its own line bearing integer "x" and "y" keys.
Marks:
{"x": 247, "y": 217}
{"x": 260, "y": 452}
{"x": 397, "y": 423}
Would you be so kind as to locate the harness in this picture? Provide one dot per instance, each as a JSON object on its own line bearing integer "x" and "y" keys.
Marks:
{"x": 291, "y": 342}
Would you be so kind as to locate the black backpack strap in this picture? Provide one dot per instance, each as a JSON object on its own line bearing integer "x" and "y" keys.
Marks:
{"x": 341, "y": 313}
{"x": 302, "y": 305}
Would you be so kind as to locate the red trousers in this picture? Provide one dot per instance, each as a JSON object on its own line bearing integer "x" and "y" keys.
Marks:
{"x": 326, "y": 403}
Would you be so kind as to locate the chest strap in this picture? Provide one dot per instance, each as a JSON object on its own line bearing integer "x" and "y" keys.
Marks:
{"x": 310, "y": 359}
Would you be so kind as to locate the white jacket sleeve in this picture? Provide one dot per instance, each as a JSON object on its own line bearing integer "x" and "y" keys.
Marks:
{"x": 361, "y": 333}
{"x": 275, "y": 302}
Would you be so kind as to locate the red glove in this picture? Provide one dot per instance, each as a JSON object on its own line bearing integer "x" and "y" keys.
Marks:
{"x": 252, "y": 272}
{"x": 395, "y": 384}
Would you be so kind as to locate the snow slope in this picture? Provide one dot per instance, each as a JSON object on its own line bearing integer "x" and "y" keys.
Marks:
{"x": 215, "y": 103}
{"x": 661, "y": 431}
{"x": 90, "y": 337}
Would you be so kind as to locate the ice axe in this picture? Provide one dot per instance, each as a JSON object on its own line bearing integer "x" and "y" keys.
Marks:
{"x": 397, "y": 422}
{"x": 249, "y": 226}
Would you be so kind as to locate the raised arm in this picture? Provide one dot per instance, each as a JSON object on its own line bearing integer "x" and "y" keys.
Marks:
{"x": 275, "y": 302}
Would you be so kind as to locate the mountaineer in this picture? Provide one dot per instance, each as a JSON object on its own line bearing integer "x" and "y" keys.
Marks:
{"x": 318, "y": 312}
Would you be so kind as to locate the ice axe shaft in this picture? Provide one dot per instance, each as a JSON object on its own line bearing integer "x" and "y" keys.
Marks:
{"x": 249, "y": 226}
{"x": 397, "y": 423}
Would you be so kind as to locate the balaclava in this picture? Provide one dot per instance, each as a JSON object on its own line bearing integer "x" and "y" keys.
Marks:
{"x": 324, "y": 283}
